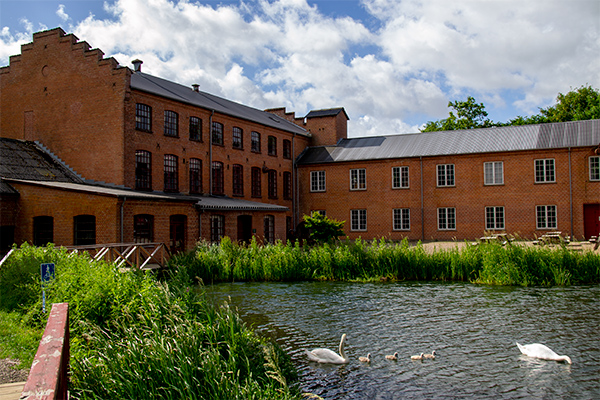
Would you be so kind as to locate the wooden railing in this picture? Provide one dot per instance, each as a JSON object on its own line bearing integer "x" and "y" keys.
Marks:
{"x": 48, "y": 379}
{"x": 128, "y": 255}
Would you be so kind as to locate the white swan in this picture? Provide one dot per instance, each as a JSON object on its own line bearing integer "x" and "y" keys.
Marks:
{"x": 392, "y": 357}
{"x": 366, "y": 359}
{"x": 430, "y": 356}
{"x": 537, "y": 350}
{"x": 419, "y": 357}
{"x": 326, "y": 356}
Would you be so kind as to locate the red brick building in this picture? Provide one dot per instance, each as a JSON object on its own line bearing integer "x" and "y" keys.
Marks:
{"x": 111, "y": 154}
{"x": 524, "y": 180}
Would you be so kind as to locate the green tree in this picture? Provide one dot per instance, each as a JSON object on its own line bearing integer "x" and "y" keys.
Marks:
{"x": 580, "y": 104}
{"x": 469, "y": 115}
{"x": 323, "y": 228}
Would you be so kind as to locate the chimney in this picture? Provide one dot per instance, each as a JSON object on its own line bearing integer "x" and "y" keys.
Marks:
{"x": 137, "y": 65}
{"x": 195, "y": 86}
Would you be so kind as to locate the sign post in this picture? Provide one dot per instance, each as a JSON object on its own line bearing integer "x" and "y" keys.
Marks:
{"x": 47, "y": 271}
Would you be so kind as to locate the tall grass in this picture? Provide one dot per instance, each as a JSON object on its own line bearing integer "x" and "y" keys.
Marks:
{"x": 381, "y": 260}
{"x": 133, "y": 336}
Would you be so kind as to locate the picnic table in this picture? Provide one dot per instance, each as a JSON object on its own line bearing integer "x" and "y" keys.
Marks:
{"x": 501, "y": 238}
{"x": 552, "y": 238}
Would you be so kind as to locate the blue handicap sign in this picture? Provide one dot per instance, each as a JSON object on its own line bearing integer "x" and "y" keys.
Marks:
{"x": 47, "y": 272}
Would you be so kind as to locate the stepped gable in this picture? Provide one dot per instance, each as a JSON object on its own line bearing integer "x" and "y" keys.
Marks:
{"x": 42, "y": 39}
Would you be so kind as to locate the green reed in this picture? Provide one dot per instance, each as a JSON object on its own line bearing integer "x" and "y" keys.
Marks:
{"x": 516, "y": 264}
{"x": 135, "y": 336}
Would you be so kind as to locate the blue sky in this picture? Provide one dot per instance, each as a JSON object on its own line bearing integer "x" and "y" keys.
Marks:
{"x": 393, "y": 65}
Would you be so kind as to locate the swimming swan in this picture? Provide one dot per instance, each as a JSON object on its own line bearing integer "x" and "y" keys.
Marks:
{"x": 326, "y": 356}
{"x": 392, "y": 357}
{"x": 430, "y": 356}
{"x": 366, "y": 359}
{"x": 419, "y": 357}
{"x": 542, "y": 352}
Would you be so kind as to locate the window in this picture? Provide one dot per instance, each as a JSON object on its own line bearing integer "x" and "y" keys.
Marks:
{"x": 269, "y": 229}
{"x": 217, "y": 227}
{"x": 446, "y": 219}
{"x": 493, "y": 173}
{"x": 143, "y": 228}
{"x": 255, "y": 145}
{"x": 358, "y": 220}
{"x": 195, "y": 129}
{"x": 238, "y": 180}
{"x": 317, "y": 181}
{"x": 594, "y": 168}
{"x": 272, "y": 183}
{"x": 399, "y": 177}
{"x": 494, "y": 218}
{"x": 171, "y": 173}
{"x": 272, "y": 146}
{"x": 217, "y": 133}
{"x": 358, "y": 179}
{"x": 287, "y": 185}
{"x": 287, "y": 149}
{"x": 544, "y": 170}
{"x": 143, "y": 170}
{"x": 143, "y": 117}
{"x": 171, "y": 123}
{"x": 217, "y": 178}
{"x": 195, "y": 175}
{"x": 256, "y": 174}
{"x": 43, "y": 230}
{"x": 445, "y": 175}
{"x": 84, "y": 230}
{"x": 238, "y": 136}
{"x": 401, "y": 219}
{"x": 546, "y": 217}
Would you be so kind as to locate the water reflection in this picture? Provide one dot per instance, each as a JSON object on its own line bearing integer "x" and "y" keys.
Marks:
{"x": 473, "y": 330}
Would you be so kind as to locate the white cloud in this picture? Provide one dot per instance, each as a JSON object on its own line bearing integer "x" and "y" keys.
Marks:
{"x": 61, "y": 13}
{"x": 392, "y": 76}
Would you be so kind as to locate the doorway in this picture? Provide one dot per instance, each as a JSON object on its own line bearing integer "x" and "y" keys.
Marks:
{"x": 244, "y": 228}
{"x": 591, "y": 220}
{"x": 177, "y": 233}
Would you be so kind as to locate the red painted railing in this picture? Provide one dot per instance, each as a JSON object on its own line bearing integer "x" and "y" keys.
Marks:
{"x": 48, "y": 375}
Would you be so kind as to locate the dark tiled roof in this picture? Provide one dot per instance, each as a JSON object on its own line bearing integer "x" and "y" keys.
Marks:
{"x": 488, "y": 140}
{"x": 229, "y": 204}
{"x": 330, "y": 112}
{"x": 6, "y": 189}
{"x": 21, "y": 159}
{"x": 178, "y": 92}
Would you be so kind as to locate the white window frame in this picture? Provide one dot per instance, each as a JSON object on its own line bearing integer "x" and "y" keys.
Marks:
{"x": 495, "y": 218}
{"x": 401, "y": 219}
{"x": 546, "y": 217}
{"x": 543, "y": 165}
{"x": 446, "y": 218}
{"x": 400, "y": 175}
{"x": 493, "y": 173}
{"x": 317, "y": 181}
{"x": 358, "y": 220}
{"x": 445, "y": 175}
{"x": 594, "y": 168}
{"x": 358, "y": 179}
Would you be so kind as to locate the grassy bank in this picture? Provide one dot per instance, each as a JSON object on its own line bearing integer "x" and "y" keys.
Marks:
{"x": 359, "y": 260}
{"x": 133, "y": 336}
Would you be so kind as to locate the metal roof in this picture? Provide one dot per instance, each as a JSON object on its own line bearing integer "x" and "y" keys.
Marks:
{"x": 330, "y": 112}
{"x": 6, "y": 189}
{"x": 178, "y": 92}
{"x": 229, "y": 204}
{"x": 486, "y": 140}
{"x": 22, "y": 159}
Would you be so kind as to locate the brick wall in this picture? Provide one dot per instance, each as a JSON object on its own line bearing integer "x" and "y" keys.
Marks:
{"x": 519, "y": 195}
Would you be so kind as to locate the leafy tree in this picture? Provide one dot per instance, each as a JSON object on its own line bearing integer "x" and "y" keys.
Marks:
{"x": 580, "y": 104}
{"x": 323, "y": 228}
{"x": 469, "y": 115}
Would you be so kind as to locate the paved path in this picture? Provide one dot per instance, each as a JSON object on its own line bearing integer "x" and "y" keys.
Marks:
{"x": 11, "y": 391}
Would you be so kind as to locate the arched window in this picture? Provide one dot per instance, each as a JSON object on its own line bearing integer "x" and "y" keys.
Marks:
{"x": 43, "y": 230}
{"x": 143, "y": 170}
{"x": 217, "y": 178}
{"x": 195, "y": 175}
{"x": 238, "y": 180}
{"x": 143, "y": 228}
{"x": 171, "y": 173}
{"x": 84, "y": 230}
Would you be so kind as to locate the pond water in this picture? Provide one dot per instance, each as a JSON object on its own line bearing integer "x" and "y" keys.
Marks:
{"x": 472, "y": 328}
